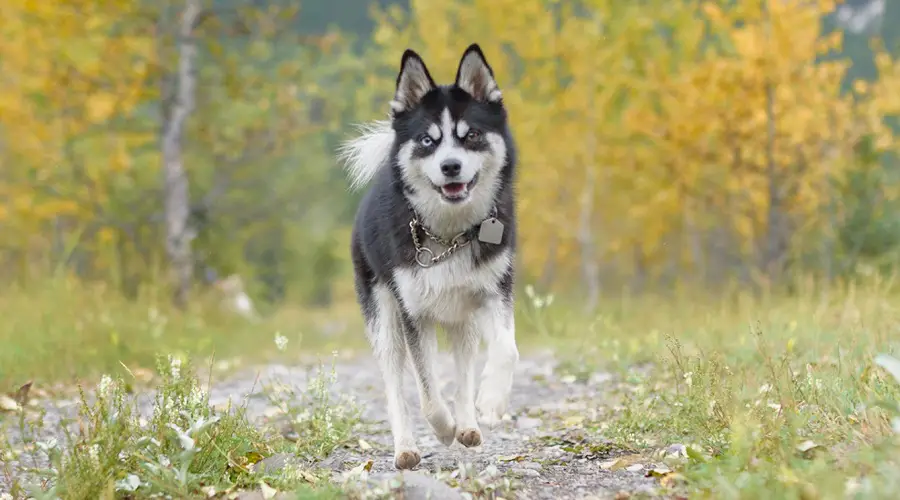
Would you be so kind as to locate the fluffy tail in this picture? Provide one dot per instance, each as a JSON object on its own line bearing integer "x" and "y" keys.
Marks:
{"x": 364, "y": 155}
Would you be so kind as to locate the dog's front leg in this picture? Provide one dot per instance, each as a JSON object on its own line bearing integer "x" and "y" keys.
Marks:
{"x": 421, "y": 341}
{"x": 496, "y": 325}
{"x": 464, "y": 339}
{"x": 385, "y": 330}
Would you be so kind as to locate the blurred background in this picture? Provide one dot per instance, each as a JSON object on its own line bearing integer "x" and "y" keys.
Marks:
{"x": 168, "y": 156}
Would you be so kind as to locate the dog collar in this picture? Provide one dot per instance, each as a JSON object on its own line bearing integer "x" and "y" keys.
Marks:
{"x": 490, "y": 230}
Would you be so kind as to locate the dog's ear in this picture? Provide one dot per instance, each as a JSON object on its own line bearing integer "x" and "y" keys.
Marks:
{"x": 413, "y": 82}
{"x": 476, "y": 77}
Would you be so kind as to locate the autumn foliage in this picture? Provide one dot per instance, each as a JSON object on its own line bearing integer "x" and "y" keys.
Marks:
{"x": 666, "y": 139}
{"x": 660, "y": 141}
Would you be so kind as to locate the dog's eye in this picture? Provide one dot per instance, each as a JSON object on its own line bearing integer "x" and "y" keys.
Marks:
{"x": 426, "y": 141}
{"x": 473, "y": 135}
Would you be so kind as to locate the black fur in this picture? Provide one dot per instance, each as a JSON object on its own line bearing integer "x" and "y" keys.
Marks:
{"x": 381, "y": 238}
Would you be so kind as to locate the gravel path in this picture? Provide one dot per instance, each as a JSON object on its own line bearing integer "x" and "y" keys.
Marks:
{"x": 529, "y": 446}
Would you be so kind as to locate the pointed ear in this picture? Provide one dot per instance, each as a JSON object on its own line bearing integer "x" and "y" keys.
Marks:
{"x": 413, "y": 82}
{"x": 476, "y": 77}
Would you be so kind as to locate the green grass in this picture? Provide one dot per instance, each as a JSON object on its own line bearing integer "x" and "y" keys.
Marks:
{"x": 770, "y": 397}
{"x": 766, "y": 396}
{"x": 60, "y": 331}
{"x": 185, "y": 449}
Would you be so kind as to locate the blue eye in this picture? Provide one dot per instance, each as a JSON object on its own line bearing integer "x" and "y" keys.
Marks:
{"x": 426, "y": 141}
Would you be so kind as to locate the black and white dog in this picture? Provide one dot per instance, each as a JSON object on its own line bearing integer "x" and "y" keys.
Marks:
{"x": 434, "y": 242}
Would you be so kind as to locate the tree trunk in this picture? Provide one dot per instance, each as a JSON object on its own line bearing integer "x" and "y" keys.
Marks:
{"x": 176, "y": 189}
{"x": 590, "y": 270}
{"x": 777, "y": 237}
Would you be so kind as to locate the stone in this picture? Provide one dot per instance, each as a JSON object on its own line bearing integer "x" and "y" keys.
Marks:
{"x": 418, "y": 486}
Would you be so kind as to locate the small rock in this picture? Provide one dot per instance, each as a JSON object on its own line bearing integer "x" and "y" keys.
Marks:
{"x": 525, "y": 472}
{"x": 531, "y": 465}
{"x": 419, "y": 486}
{"x": 634, "y": 468}
{"x": 676, "y": 450}
{"x": 599, "y": 378}
{"x": 525, "y": 423}
{"x": 275, "y": 463}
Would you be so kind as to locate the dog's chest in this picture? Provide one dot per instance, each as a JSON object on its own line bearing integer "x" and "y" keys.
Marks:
{"x": 450, "y": 291}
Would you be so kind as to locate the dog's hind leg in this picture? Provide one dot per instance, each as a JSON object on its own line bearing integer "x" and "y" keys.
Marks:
{"x": 385, "y": 331}
{"x": 421, "y": 341}
{"x": 464, "y": 339}
{"x": 496, "y": 325}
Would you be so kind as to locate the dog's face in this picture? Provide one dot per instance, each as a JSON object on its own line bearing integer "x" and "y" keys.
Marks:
{"x": 451, "y": 137}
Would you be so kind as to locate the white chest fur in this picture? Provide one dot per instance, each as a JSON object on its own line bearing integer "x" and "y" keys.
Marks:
{"x": 450, "y": 291}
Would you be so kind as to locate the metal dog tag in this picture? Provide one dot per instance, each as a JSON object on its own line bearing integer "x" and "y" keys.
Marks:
{"x": 491, "y": 231}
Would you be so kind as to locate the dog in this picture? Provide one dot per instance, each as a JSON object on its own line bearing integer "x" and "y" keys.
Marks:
{"x": 433, "y": 244}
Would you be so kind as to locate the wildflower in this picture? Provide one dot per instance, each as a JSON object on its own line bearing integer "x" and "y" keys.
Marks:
{"x": 280, "y": 341}
{"x": 175, "y": 365}
{"x": 94, "y": 454}
{"x": 104, "y": 386}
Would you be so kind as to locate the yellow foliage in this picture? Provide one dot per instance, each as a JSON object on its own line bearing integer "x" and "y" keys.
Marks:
{"x": 695, "y": 124}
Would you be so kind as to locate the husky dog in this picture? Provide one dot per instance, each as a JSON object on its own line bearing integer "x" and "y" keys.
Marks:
{"x": 433, "y": 243}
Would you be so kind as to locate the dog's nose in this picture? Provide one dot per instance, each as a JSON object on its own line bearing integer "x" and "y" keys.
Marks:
{"x": 451, "y": 168}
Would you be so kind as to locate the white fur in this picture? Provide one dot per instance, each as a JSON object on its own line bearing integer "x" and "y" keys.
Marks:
{"x": 448, "y": 292}
{"x": 386, "y": 336}
{"x": 445, "y": 218}
{"x": 366, "y": 154}
{"x": 465, "y": 299}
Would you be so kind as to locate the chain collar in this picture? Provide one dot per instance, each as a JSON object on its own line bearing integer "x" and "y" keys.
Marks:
{"x": 425, "y": 257}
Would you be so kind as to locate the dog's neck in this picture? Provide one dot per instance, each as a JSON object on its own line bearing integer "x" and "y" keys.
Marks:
{"x": 448, "y": 220}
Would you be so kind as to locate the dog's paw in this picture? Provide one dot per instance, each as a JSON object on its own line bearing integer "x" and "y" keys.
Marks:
{"x": 406, "y": 459}
{"x": 443, "y": 425}
{"x": 469, "y": 437}
{"x": 490, "y": 410}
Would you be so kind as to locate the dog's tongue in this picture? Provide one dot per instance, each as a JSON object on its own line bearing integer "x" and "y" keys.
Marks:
{"x": 454, "y": 188}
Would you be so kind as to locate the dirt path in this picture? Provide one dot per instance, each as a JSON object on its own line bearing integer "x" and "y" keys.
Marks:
{"x": 530, "y": 446}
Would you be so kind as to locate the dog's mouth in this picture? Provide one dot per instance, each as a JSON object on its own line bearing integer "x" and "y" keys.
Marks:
{"x": 455, "y": 192}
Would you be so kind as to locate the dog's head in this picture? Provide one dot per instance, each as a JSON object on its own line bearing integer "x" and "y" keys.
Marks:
{"x": 451, "y": 139}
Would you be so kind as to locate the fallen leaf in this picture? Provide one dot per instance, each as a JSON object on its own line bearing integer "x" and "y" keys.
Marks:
{"x": 253, "y": 457}
{"x": 573, "y": 420}
{"x": 670, "y": 479}
{"x": 510, "y": 458}
{"x": 658, "y": 472}
{"x": 608, "y": 464}
{"x": 21, "y": 395}
{"x": 8, "y": 404}
{"x": 626, "y": 461}
{"x": 364, "y": 445}
{"x": 808, "y": 448}
{"x": 267, "y": 491}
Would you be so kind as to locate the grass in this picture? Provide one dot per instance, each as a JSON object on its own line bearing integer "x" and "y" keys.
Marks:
{"x": 740, "y": 395}
{"x": 772, "y": 397}
{"x": 60, "y": 332}
{"x": 181, "y": 448}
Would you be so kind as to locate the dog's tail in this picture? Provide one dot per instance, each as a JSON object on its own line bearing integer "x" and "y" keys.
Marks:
{"x": 366, "y": 154}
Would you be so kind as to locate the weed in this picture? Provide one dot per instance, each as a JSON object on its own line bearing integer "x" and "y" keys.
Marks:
{"x": 183, "y": 449}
